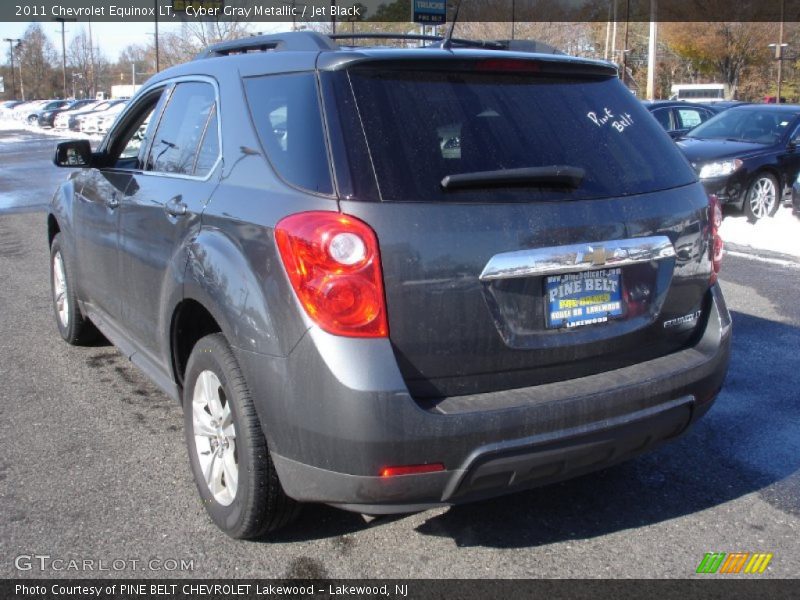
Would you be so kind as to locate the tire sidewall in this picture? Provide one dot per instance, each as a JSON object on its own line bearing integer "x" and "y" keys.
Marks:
{"x": 66, "y": 332}
{"x": 207, "y": 356}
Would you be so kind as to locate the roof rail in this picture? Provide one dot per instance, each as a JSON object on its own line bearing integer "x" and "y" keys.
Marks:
{"x": 294, "y": 40}
{"x": 490, "y": 44}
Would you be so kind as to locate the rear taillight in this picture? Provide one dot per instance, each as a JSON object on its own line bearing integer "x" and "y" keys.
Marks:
{"x": 334, "y": 266}
{"x": 716, "y": 246}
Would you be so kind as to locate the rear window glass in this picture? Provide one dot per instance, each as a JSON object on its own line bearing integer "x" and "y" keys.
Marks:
{"x": 286, "y": 112}
{"x": 422, "y": 126}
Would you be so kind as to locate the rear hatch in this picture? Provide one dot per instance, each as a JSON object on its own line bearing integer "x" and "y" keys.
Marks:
{"x": 535, "y": 222}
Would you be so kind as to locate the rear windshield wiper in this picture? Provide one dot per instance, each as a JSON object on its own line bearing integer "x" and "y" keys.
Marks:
{"x": 550, "y": 176}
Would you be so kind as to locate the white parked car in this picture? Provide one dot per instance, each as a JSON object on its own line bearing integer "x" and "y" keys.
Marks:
{"x": 62, "y": 119}
{"x": 91, "y": 124}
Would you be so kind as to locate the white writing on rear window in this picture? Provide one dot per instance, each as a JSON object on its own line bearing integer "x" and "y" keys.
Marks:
{"x": 607, "y": 117}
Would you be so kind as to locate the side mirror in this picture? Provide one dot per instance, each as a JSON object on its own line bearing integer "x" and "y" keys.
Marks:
{"x": 74, "y": 153}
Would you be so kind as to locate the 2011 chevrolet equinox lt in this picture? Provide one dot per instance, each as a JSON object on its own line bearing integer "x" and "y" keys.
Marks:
{"x": 391, "y": 279}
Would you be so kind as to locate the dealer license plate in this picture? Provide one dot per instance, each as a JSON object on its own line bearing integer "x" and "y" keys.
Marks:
{"x": 577, "y": 299}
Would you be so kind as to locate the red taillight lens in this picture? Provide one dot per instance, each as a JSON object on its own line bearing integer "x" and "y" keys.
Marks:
{"x": 411, "y": 469}
{"x": 334, "y": 266}
{"x": 716, "y": 245}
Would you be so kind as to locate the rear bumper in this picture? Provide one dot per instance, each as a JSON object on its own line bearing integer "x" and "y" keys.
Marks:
{"x": 336, "y": 411}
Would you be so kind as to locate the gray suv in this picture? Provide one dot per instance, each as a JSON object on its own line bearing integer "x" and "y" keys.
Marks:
{"x": 392, "y": 279}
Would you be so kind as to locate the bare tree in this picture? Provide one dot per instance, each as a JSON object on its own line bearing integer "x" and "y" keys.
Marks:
{"x": 89, "y": 67}
{"x": 37, "y": 58}
{"x": 176, "y": 48}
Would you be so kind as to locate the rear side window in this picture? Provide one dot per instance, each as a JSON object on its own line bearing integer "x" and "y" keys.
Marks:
{"x": 286, "y": 113}
{"x": 181, "y": 129}
{"x": 691, "y": 117}
{"x": 421, "y": 126}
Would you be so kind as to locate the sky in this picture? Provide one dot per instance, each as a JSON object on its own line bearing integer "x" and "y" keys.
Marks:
{"x": 111, "y": 38}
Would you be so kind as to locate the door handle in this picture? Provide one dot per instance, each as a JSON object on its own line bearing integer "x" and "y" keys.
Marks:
{"x": 113, "y": 201}
{"x": 175, "y": 207}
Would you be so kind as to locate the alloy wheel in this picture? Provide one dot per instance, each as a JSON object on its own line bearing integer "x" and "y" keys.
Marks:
{"x": 215, "y": 437}
{"x": 762, "y": 197}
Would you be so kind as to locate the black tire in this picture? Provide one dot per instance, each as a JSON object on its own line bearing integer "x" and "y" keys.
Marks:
{"x": 256, "y": 503}
{"x": 755, "y": 205}
{"x": 72, "y": 325}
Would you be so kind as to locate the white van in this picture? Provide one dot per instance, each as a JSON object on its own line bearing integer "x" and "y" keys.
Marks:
{"x": 698, "y": 92}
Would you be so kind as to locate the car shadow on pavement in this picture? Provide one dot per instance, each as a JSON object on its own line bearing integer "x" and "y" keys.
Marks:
{"x": 749, "y": 442}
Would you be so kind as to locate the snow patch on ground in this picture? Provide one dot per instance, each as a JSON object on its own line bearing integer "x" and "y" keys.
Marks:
{"x": 7, "y": 124}
{"x": 780, "y": 233}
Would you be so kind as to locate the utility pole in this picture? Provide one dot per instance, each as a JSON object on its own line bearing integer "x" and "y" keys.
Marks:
{"x": 779, "y": 55}
{"x": 651, "y": 52}
{"x": 93, "y": 83}
{"x": 63, "y": 20}
{"x": 513, "y": 18}
{"x": 11, "y": 55}
{"x": 625, "y": 47}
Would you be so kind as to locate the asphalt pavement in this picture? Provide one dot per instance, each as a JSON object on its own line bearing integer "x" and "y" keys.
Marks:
{"x": 93, "y": 465}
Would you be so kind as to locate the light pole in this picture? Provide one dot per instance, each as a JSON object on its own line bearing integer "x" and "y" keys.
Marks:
{"x": 158, "y": 64}
{"x": 11, "y": 54}
{"x": 63, "y": 20}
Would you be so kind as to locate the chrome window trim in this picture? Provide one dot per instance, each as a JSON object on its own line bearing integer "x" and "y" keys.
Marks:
{"x": 575, "y": 258}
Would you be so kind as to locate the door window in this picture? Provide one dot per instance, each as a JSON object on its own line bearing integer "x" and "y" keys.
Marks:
{"x": 128, "y": 139}
{"x": 184, "y": 124}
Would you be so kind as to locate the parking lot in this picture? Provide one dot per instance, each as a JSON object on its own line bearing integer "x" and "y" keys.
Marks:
{"x": 94, "y": 466}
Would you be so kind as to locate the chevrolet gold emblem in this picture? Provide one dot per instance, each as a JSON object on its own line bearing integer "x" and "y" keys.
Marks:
{"x": 598, "y": 256}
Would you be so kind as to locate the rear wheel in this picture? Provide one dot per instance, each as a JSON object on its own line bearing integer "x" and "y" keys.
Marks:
{"x": 72, "y": 325}
{"x": 762, "y": 197}
{"x": 228, "y": 453}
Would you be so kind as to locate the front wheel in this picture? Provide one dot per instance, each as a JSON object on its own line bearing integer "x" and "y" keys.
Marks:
{"x": 228, "y": 453}
{"x": 72, "y": 325}
{"x": 762, "y": 197}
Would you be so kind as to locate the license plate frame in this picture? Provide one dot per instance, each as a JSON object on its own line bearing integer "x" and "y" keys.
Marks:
{"x": 573, "y": 300}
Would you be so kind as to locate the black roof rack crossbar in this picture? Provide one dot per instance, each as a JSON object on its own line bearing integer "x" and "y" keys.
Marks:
{"x": 490, "y": 44}
{"x": 310, "y": 41}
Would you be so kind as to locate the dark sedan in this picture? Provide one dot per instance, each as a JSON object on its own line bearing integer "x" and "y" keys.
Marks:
{"x": 747, "y": 156}
{"x": 46, "y": 117}
{"x": 33, "y": 117}
{"x": 677, "y": 117}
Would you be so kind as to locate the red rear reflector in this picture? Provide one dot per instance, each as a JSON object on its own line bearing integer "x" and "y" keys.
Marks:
{"x": 411, "y": 469}
{"x": 335, "y": 269}
{"x": 716, "y": 245}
